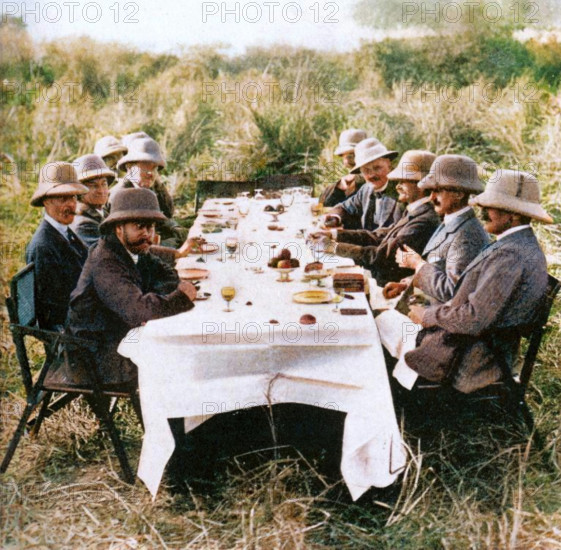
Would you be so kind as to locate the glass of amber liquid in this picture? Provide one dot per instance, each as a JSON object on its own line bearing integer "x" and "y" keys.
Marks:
{"x": 228, "y": 293}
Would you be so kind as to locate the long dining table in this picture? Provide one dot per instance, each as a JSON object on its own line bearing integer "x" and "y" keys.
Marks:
{"x": 208, "y": 361}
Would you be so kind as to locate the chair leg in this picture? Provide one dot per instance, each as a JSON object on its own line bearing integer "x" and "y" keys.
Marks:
{"x": 100, "y": 407}
{"x": 17, "y": 436}
{"x": 35, "y": 423}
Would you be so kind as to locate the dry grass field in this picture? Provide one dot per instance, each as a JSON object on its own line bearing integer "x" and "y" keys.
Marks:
{"x": 474, "y": 479}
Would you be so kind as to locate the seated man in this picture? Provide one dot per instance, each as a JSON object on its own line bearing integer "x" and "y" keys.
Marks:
{"x": 456, "y": 242}
{"x": 371, "y": 204}
{"x": 376, "y": 250}
{"x": 123, "y": 286}
{"x": 498, "y": 294}
{"x": 97, "y": 177}
{"x": 110, "y": 149}
{"x": 55, "y": 249}
{"x": 348, "y": 185}
{"x": 142, "y": 162}
{"x": 95, "y": 174}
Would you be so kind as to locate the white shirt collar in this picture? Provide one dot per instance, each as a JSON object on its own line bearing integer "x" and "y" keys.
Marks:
{"x": 449, "y": 218}
{"x": 60, "y": 227}
{"x": 512, "y": 230}
{"x": 414, "y": 205}
{"x": 380, "y": 189}
{"x": 133, "y": 256}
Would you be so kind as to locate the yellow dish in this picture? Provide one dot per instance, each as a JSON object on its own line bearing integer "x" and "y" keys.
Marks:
{"x": 312, "y": 297}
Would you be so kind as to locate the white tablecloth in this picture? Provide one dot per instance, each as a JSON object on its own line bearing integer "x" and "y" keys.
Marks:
{"x": 205, "y": 361}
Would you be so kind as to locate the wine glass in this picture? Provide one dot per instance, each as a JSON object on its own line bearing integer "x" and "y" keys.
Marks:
{"x": 287, "y": 198}
{"x": 228, "y": 293}
{"x": 231, "y": 246}
{"x": 338, "y": 298}
{"x": 258, "y": 194}
{"x": 243, "y": 207}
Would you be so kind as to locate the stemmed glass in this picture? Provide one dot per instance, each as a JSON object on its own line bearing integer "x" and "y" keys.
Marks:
{"x": 228, "y": 293}
{"x": 287, "y": 198}
{"x": 339, "y": 297}
{"x": 243, "y": 206}
{"x": 258, "y": 194}
{"x": 231, "y": 246}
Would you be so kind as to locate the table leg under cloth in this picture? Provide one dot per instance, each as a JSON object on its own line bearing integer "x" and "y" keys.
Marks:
{"x": 196, "y": 382}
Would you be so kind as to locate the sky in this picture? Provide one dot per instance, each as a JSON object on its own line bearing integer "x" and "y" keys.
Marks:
{"x": 170, "y": 25}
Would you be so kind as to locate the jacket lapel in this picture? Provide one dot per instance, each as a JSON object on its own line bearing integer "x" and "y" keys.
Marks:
{"x": 63, "y": 243}
{"x": 446, "y": 231}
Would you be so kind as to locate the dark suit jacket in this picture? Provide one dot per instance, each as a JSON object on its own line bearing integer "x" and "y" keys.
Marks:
{"x": 86, "y": 223}
{"x": 448, "y": 253}
{"x": 114, "y": 295}
{"x": 57, "y": 269}
{"x": 414, "y": 230}
{"x": 387, "y": 211}
{"x": 498, "y": 294}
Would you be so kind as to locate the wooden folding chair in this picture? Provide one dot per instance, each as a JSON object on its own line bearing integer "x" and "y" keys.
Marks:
{"x": 40, "y": 388}
{"x": 220, "y": 188}
{"x": 510, "y": 391}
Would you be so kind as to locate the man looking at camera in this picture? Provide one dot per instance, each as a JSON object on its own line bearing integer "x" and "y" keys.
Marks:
{"x": 123, "y": 285}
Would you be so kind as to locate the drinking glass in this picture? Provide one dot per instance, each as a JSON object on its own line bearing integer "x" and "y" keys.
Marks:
{"x": 243, "y": 207}
{"x": 287, "y": 198}
{"x": 228, "y": 293}
{"x": 231, "y": 246}
{"x": 339, "y": 297}
{"x": 259, "y": 194}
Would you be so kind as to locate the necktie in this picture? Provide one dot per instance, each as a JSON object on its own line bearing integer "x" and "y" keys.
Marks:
{"x": 369, "y": 221}
{"x": 75, "y": 242}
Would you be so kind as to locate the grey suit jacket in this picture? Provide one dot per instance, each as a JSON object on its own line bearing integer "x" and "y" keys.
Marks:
{"x": 448, "y": 253}
{"x": 387, "y": 211}
{"x": 497, "y": 296}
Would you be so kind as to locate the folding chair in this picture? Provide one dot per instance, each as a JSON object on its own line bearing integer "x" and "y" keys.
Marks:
{"x": 219, "y": 188}
{"x": 510, "y": 391}
{"x": 40, "y": 389}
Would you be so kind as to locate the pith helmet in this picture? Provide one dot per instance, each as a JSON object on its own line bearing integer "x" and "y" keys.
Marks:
{"x": 514, "y": 191}
{"x": 57, "y": 179}
{"x": 348, "y": 140}
{"x": 453, "y": 172}
{"x": 90, "y": 167}
{"x": 143, "y": 149}
{"x": 414, "y": 165}
{"x": 108, "y": 145}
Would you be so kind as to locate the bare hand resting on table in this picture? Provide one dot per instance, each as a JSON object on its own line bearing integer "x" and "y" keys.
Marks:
{"x": 188, "y": 289}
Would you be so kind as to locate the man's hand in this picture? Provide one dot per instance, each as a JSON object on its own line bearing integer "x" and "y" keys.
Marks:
{"x": 188, "y": 246}
{"x": 391, "y": 290}
{"x": 317, "y": 235}
{"x": 407, "y": 257}
{"x": 188, "y": 289}
{"x": 416, "y": 314}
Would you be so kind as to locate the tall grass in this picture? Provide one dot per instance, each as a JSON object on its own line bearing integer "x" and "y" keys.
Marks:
{"x": 473, "y": 481}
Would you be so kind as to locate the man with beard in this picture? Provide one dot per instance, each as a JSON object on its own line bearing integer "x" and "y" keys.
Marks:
{"x": 57, "y": 253}
{"x": 371, "y": 204}
{"x": 123, "y": 285}
{"x": 464, "y": 340}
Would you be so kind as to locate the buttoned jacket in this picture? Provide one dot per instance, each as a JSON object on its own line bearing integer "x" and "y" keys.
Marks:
{"x": 387, "y": 211}
{"x": 448, "y": 253}
{"x": 497, "y": 296}
{"x": 58, "y": 265}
